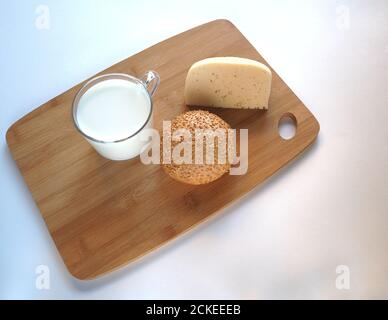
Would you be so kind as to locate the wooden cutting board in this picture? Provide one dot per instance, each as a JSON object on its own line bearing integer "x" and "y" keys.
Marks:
{"x": 104, "y": 214}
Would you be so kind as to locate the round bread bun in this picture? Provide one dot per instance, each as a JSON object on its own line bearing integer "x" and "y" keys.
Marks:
{"x": 193, "y": 173}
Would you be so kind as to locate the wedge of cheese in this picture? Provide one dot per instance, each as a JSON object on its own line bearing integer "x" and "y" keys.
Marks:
{"x": 228, "y": 82}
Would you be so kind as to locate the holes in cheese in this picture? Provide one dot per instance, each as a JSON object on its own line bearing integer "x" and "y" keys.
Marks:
{"x": 228, "y": 82}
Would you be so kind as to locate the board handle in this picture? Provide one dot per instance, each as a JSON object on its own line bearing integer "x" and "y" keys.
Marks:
{"x": 151, "y": 81}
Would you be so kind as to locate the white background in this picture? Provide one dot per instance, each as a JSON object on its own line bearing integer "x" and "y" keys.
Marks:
{"x": 286, "y": 238}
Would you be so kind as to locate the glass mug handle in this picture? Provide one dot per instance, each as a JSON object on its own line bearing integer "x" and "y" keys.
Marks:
{"x": 151, "y": 81}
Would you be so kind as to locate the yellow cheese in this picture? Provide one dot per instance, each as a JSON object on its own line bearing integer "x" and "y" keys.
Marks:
{"x": 228, "y": 82}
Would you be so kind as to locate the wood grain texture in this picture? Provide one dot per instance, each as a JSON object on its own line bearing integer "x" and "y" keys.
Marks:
{"x": 104, "y": 214}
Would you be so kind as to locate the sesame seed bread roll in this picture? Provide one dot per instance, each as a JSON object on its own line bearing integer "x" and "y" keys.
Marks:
{"x": 194, "y": 173}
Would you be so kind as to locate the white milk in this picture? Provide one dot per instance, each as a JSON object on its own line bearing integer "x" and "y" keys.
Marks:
{"x": 112, "y": 110}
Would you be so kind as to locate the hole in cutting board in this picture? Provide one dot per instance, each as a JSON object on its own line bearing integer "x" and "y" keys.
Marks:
{"x": 287, "y": 126}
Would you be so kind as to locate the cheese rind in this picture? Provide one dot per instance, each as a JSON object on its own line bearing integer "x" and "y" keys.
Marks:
{"x": 228, "y": 82}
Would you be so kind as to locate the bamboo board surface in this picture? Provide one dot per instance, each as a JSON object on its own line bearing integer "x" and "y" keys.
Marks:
{"x": 104, "y": 214}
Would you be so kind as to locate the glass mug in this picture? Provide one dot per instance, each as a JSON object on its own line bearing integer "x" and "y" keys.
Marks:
{"x": 112, "y": 110}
